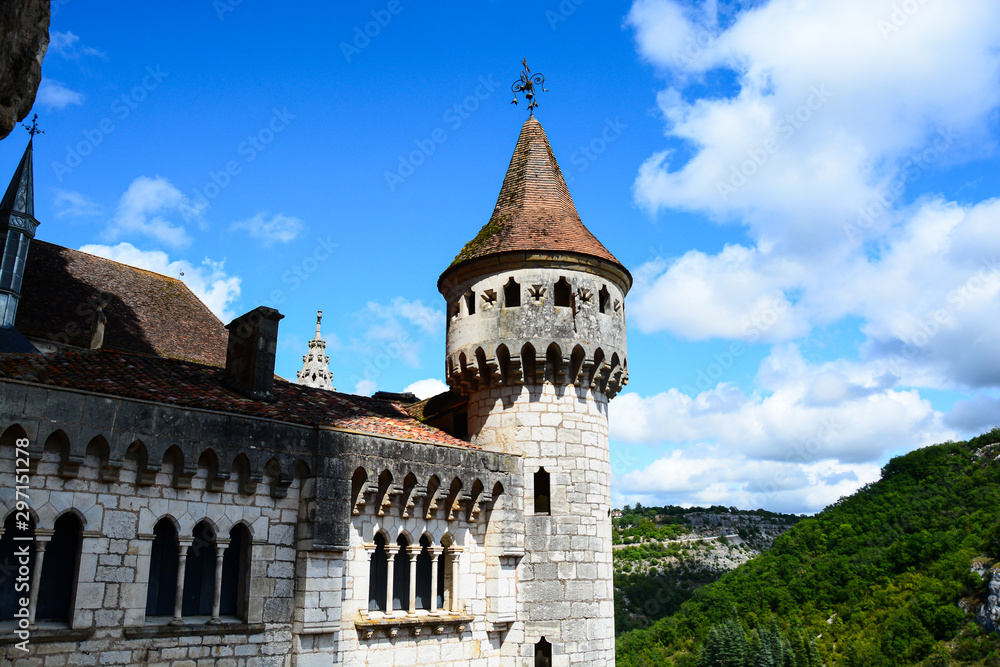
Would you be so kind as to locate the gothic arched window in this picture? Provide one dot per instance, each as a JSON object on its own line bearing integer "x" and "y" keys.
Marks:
{"x": 563, "y": 292}
{"x": 511, "y": 294}
{"x": 424, "y": 584}
{"x": 199, "y": 572}
{"x": 543, "y": 653}
{"x": 59, "y": 568}
{"x": 162, "y": 570}
{"x": 542, "y": 505}
{"x": 401, "y": 576}
{"x": 235, "y": 571}
{"x": 378, "y": 571}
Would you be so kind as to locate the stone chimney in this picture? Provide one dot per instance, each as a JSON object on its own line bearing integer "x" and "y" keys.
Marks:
{"x": 253, "y": 339}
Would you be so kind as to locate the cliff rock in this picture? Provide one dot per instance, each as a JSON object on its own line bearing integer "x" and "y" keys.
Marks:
{"x": 24, "y": 38}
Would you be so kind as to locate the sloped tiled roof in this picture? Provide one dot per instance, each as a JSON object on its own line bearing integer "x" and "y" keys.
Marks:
{"x": 182, "y": 383}
{"x": 534, "y": 211}
{"x": 147, "y": 312}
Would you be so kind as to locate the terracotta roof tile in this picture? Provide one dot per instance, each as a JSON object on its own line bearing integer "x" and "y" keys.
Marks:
{"x": 183, "y": 383}
{"x": 147, "y": 312}
{"x": 534, "y": 211}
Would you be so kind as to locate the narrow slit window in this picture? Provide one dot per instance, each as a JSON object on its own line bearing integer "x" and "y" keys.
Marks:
{"x": 511, "y": 294}
{"x": 563, "y": 293}
{"x": 605, "y": 299}
{"x": 542, "y": 505}
{"x": 543, "y": 653}
{"x": 470, "y": 303}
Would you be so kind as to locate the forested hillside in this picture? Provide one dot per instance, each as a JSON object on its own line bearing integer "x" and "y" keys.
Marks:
{"x": 881, "y": 578}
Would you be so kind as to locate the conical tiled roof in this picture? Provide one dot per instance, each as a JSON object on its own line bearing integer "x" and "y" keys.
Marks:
{"x": 534, "y": 211}
{"x": 19, "y": 198}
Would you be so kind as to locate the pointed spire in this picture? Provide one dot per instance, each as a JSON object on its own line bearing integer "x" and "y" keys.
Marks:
{"x": 534, "y": 211}
{"x": 20, "y": 196}
{"x": 315, "y": 364}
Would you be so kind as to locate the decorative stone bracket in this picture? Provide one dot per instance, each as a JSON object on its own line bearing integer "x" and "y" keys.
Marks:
{"x": 414, "y": 626}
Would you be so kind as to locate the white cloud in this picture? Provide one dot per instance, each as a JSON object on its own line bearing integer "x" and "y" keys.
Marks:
{"x": 67, "y": 45}
{"x": 365, "y": 387}
{"x": 55, "y": 95}
{"x": 70, "y": 204}
{"x": 209, "y": 281}
{"x": 975, "y": 415}
{"x": 279, "y": 228}
{"x": 146, "y": 208}
{"x": 426, "y": 388}
{"x": 803, "y": 413}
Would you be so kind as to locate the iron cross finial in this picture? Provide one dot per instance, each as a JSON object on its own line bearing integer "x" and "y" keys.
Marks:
{"x": 526, "y": 84}
{"x": 33, "y": 130}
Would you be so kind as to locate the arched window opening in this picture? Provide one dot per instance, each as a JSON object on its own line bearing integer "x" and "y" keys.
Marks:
{"x": 59, "y": 568}
{"x": 511, "y": 294}
{"x": 10, "y": 563}
{"x": 528, "y": 363}
{"x": 563, "y": 292}
{"x": 424, "y": 584}
{"x": 440, "y": 580}
{"x": 162, "y": 570}
{"x": 199, "y": 573}
{"x": 235, "y": 571}
{"x": 378, "y": 570}
{"x": 401, "y": 576}
{"x": 542, "y": 492}
{"x": 543, "y": 653}
{"x": 604, "y": 299}
{"x": 470, "y": 303}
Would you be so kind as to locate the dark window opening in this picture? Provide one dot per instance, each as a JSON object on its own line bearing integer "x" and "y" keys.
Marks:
{"x": 62, "y": 558}
{"x": 235, "y": 568}
{"x": 199, "y": 573}
{"x": 460, "y": 425}
{"x": 9, "y": 564}
{"x": 401, "y": 576}
{"x": 542, "y": 492}
{"x": 605, "y": 299}
{"x": 563, "y": 293}
{"x": 378, "y": 573}
{"x": 511, "y": 294}
{"x": 470, "y": 303}
{"x": 543, "y": 653}
{"x": 162, "y": 570}
{"x": 424, "y": 583}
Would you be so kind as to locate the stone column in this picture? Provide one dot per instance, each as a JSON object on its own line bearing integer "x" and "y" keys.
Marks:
{"x": 41, "y": 541}
{"x": 413, "y": 551}
{"x": 453, "y": 555}
{"x": 220, "y": 551}
{"x": 435, "y": 553}
{"x": 390, "y": 570}
{"x": 179, "y": 593}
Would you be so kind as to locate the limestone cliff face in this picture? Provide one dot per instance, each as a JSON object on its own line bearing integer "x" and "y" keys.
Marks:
{"x": 24, "y": 38}
{"x": 988, "y": 614}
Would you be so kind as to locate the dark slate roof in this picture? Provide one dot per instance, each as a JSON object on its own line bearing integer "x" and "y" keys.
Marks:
{"x": 183, "y": 383}
{"x": 534, "y": 211}
{"x": 147, "y": 312}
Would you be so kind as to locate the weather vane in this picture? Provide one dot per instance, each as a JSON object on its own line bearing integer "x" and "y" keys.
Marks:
{"x": 33, "y": 130}
{"x": 526, "y": 84}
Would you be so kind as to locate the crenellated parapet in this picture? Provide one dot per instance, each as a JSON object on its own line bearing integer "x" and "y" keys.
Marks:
{"x": 521, "y": 320}
{"x": 473, "y": 369}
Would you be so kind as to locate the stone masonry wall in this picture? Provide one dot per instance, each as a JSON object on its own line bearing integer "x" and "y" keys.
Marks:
{"x": 564, "y": 582}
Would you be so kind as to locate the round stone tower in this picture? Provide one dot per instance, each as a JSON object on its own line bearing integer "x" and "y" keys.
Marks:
{"x": 536, "y": 341}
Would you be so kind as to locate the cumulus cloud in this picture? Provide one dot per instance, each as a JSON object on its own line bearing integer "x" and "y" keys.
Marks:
{"x": 209, "y": 281}
{"x": 426, "y": 388}
{"x": 365, "y": 387}
{"x": 70, "y": 204}
{"x": 68, "y": 45}
{"x": 55, "y": 95}
{"x": 148, "y": 208}
{"x": 278, "y": 228}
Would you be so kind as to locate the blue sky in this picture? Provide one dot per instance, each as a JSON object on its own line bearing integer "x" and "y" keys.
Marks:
{"x": 805, "y": 193}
